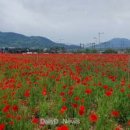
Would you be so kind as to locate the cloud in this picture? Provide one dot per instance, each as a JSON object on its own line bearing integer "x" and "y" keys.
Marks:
{"x": 72, "y": 20}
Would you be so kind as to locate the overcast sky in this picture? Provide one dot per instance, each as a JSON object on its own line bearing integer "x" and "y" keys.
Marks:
{"x": 70, "y": 21}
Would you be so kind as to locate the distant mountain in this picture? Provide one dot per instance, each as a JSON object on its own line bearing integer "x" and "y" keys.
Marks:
{"x": 10, "y": 39}
{"x": 116, "y": 43}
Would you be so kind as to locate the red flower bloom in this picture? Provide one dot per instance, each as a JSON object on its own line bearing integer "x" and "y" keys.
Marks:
{"x": 115, "y": 113}
{"x": 105, "y": 87}
{"x": 44, "y": 92}
{"x": 62, "y": 94}
{"x": 76, "y": 98}
{"x": 27, "y": 93}
{"x": 74, "y": 105}
{"x": 35, "y": 120}
{"x": 9, "y": 116}
{"x": 63, "y": 127}
{"x": 88, "y": 91}
{"x": 93, "y": 117}
{"x": 122, "y": 90}
{"x": 81, "y": 110}
{"x": 128, "y": 122}
{"x": 6, "y": 108}
{"x": 122, "y": 82}
{"x": 70, "y": 92}
{"x": 15, "y": 108}
{"x": 118, "y": 127}
{"x": 11, "y": 123}
{"x": 108, "y": 93}
{"x": 63, "y": 109}
{"x": 18, "y": 117}
{"x": 2, "y": 126}
{"x": 63, "y": 99}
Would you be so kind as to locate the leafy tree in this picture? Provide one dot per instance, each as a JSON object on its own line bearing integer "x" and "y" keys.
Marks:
{"x": 110, "y": 51}
{"x": 128, "y": 50}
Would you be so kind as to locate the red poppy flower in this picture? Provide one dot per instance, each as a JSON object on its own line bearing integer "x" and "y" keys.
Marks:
{"x": 18, "y": 117}
{"x": 27, "y": 93}
{"x": 128, "y": 122}
{"x": 63, "y": 99}
{"x": 35, "y": 120}
{"x": 115, "y": 113}
{"x": 122, "y": 90}
{"x": 11, "y": 123}
{"x": 2, "y": 126}
{"x": 63, "y": 127}
{"x": 118, "y": 127}
{"x": 81, "y": 110}
{"x": 108, "y": 93}
{"x": 15, "y": 108}
{"x": 88, "y": 91}
{"x": 76, "y": 98}
{"x": 105, "y": 87}
{"x": 44, "y": 92}
{"x": 74, "y": 105}
{"x": 6, "y": 108}
{"x": 93, "y": 117}
{"x": 62, "y": 94}
{"x": 63, "y": 109}
{"x": 70, "y": 92}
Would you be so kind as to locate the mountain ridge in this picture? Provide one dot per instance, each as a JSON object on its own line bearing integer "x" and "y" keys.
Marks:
{"x": 115, "y": 43}
{"x": 11, "y": 39}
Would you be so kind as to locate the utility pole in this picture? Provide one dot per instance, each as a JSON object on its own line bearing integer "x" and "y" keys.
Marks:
{"x": 93, "y": 45}
{"x": 81, "y": 45}
{"x": 95, "y": 41}
{"x": 99, "y": 36}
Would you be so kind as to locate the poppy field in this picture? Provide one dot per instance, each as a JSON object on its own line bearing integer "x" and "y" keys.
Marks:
{"x": 64, "y": 92}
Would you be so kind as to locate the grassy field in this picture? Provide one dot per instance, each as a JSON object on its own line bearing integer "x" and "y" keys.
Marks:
{"x": 64, "y": 92}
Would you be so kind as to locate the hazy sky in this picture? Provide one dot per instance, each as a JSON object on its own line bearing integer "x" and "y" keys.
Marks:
{"x": 70, "y": 21}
